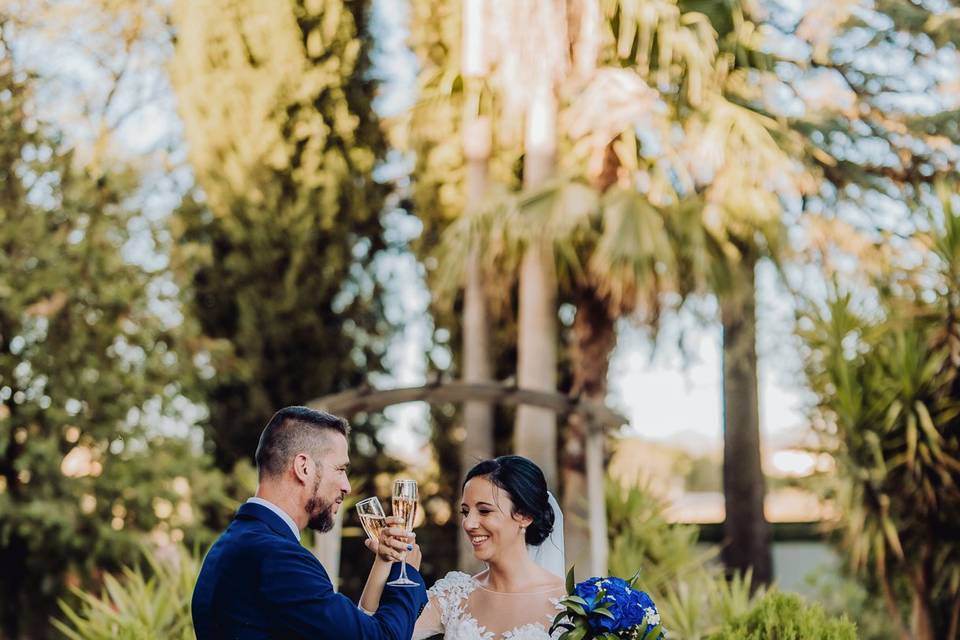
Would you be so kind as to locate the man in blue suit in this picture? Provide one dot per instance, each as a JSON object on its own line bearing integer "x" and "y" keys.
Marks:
{"x": 258, "y": 581}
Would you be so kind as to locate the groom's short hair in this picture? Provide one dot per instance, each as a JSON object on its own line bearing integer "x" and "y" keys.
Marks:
{"x": 293, "y": 430}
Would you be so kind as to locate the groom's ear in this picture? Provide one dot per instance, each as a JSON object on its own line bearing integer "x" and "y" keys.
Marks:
{"x": 301, "y": 467}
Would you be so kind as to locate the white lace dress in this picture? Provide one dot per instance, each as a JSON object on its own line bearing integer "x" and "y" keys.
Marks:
{"x": 461, "y": 609}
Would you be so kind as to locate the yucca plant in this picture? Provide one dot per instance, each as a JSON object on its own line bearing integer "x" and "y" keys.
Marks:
{"x": 701, "y": 602}
{"x": 137, "y": 604}
{"x": 884, "y": 365}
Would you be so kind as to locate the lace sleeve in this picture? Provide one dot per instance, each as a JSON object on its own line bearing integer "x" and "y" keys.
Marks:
{"x": 428, "y": 624}
{"x": 445, "y": 604}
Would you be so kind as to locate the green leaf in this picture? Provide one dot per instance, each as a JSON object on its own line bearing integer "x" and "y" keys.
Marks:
{"x": 575, "y": 634}
{"x": 893, "y": 538}
{"x": 926, "y": 423}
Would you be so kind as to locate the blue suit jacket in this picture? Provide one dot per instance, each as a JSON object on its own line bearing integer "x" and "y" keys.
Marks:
{"x": 257, "y": 581}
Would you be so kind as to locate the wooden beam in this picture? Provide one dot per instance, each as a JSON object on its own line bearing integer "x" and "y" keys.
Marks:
{"x": 353, "y": 401}
{"x": 599, "y": 418}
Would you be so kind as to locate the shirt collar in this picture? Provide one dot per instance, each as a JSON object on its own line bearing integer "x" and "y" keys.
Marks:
{"x": 280, "y": 512}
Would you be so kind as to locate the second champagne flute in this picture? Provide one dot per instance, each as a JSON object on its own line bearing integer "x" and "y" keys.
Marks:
{"x": 372, "y": 517}
{"x": 405, "y": 506}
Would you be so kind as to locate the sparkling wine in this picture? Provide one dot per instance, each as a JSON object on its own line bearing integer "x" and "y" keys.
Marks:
{"x": 405, "y": 508}
{"x": 373, "y": 525}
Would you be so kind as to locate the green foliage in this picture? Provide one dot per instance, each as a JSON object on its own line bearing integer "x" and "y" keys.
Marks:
{"x": 95, "y": 379}
{"x": 842, "y": 594}
{"x": 779, "y": 615}
{"x": 692, "y": 593}
{"x": 642, "y": 538}
{"x": 276, "y": 249}
{"x": 882, "y": 364}
{"x": 138, "y": 604}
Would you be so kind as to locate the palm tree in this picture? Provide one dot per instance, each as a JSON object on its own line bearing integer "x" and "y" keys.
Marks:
{"x": 705, "y": 236}
{"x": 624, "y": 272}
{"x": 719, "y": 226}
{"x": 530, "y": 66}
{"x": 625, "y": 222}
{"x": 478, "y": 417}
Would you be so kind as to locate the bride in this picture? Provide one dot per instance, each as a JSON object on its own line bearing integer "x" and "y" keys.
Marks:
{"x": 516, "y": 529}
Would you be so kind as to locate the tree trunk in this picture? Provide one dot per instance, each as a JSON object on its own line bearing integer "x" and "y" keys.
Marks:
{"x": 14, "y": 551}
{"x": 13, "y": 568}
{"x": 746, "y": 531}
{"x": 594, "y": 339}
{"x": 921, "y": 620}
{"x": 952, "y": 631}
{"x": 890, "y": 602}
{"x": 477, "y": 355}
{"x": 535, "y": 435}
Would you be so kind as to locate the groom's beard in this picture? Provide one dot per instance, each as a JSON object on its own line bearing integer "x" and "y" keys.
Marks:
{"x": 321, "y": 514}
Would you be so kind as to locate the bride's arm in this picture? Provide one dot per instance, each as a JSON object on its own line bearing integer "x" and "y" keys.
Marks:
{"x": 387, "y": 551}
{"x": 429, "y": 623}
{"x": 373, "y": 589}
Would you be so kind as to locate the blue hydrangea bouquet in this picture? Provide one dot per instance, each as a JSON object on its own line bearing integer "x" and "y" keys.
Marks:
{"x": 607, "y": 609}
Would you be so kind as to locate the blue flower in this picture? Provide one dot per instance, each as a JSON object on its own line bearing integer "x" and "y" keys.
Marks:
{"x": 589, "y": 590}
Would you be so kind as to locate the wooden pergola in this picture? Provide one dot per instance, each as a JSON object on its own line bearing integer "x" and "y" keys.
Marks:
{"x": 598, "y": 417}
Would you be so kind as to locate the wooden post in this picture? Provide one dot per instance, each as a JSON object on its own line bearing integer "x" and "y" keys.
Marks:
{"x": 326, "y": 546}
{"x": 596, "y": 500}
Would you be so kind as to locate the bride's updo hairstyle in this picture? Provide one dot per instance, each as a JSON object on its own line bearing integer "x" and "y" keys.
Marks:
{"x": 524, "y": 482}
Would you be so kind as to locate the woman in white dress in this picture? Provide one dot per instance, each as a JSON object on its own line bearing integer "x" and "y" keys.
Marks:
{"x": 510, "y": 519}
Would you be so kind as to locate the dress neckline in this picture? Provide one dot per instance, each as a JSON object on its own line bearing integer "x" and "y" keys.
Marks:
{"x": 516, "y": 593}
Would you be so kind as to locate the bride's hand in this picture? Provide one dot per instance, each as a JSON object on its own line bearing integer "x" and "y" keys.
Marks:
{"x": 414, "y": 557}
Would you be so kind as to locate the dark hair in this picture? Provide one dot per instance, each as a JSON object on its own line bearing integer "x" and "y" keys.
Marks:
{"x": 524, "y": 481}
{"x": 291, "y": 431}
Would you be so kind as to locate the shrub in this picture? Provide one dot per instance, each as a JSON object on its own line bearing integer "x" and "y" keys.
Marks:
{"x": 779, "y": 616}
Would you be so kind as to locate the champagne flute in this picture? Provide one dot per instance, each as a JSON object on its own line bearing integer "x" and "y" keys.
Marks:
{"x": 404, "y": 505}
{"x": 372, "y": 517}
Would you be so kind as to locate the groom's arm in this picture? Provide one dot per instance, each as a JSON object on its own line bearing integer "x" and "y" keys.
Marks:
{"x": 301, "y": 596}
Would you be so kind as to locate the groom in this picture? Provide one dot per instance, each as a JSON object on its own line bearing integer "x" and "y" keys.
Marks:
{"x": 258, "y": 581}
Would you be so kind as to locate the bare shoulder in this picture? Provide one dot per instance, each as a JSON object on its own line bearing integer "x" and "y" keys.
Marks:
{"x": 546, "y": 581}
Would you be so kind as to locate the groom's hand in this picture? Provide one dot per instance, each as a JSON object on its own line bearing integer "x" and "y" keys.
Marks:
{"x": 394, "y": 541}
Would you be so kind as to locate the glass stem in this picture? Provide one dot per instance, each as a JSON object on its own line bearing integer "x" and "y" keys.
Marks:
{"x": 403, "y": 567}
